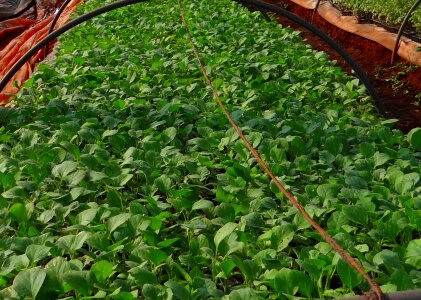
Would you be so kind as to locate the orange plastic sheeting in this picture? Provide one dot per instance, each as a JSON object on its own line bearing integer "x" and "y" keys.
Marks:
{"x": 408, "y": 49}
{"x": 12, "y": 27}
{"x": 22, "y": 44}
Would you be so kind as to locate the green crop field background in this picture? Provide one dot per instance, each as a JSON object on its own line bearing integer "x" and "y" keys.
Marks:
{"x": 392, "y": 11}
{"x": 120, "y": 178}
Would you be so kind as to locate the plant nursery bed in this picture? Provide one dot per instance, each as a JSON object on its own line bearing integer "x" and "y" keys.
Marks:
{"x": 121, "y": 178}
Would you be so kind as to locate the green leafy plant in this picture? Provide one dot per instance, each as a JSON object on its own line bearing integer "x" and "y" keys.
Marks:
{"x": 120, "y": 177}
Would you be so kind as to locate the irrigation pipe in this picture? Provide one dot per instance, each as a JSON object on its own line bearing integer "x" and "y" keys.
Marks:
{"x": 348, "y": 59}
{"x": 61, "y": 30}
{"x": 401, "y": 29}
{"x": 375, "y": 291}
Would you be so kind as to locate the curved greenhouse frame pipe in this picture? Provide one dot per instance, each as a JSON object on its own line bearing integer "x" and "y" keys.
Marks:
{"x": 405, "y": 21}
{"x": 54, "y": 22}
{"x": 360, "y": 74}
{"x": 358, "y": 71}
{"x": 315, "y": 10}
{"x": 57, "y": 15}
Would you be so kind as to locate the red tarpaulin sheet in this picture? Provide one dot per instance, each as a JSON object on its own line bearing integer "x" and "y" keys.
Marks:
{"x": 19, "y": 33}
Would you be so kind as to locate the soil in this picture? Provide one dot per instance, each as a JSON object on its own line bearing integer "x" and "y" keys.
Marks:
{"x": 397, "y": 85}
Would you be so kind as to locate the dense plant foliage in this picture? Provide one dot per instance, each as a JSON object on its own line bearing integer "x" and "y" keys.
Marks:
{"x": 121, "y": 178}
{"x": 392, "y": 11}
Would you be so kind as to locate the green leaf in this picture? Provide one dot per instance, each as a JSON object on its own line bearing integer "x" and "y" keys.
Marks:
{"x": 387, "y": 258}
{"x": 167, "y": 243}
{"x": 227, "y": 266}
{"x": 414, "y": 138}
{"x": 153, "y": 292}
{"x": 178, "y": 290}
{"x": 169, "y": 134}
{"x": 102, "y": 270}
{"x": 249, "y": 269}
{"x": 114, "y": 198}
{"x": 86, "y": 216}
{"x": 205, "y": 288}
{"x": 380, "y": 159}
{"x": 402, "y": 280}
{"x": 79, "y": 281}
{"x": 395, "y": 177}
{"x": 291, "y": 281}
{"x": 225, "y": 211}
{"x": 65, "y": 168}
{"x": 348, "y": 275}
{"x": 163, "y": 183}
{"x": 156, "y": 256}
{"x": 143, "y": 276}
{"x": 355, "y": 213}
{"x": 14, "y": 262}
{"x": 300, "y": 222}
{"x": 116, "y": 221}
{"x": 18, "y": 212}
{"x": 407, "y": 183}
{"x": 124, "y": 296}
{"x": 281, "y": 236}
{"x": 16, "y": 192}
{"x": 119, "y": 104}
{"x": 28, "y": 282}
{"x": 223, "y": 232}
{"x": 367, "y": 149}
{"x": 79, "y": 191}
{"x": 254, "y": 220}
{"x": 75, "y": 178}
{"x": 96, "y": 176}
{"x": 109, "y": 132}
{"x": 244, "y": 294}
{"x": 356, "y": 182}
{"x": 71, "y": 242}
{"x": 413, "y": 253}
{"x": 202, "y": 204}
{"x": 328, "y": 191}
{"x": 334, "y": 145}
{"x": 36, "y": 253}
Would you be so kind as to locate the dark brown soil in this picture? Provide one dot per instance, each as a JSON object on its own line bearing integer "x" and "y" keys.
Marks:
{"x": 397, "y": 85}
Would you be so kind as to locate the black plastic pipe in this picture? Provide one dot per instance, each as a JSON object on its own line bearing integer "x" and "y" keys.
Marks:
{"x": 60, "y": 31}
{"x": 401, "y": 29}
{"x": 407, "y": 295}
{"x": 54, "y": 22}
{"x": 57, "y": 15}
{"x": 358, "y": 71}
{"x": 315, "y": 10}
{"x": 265, "y": 15}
